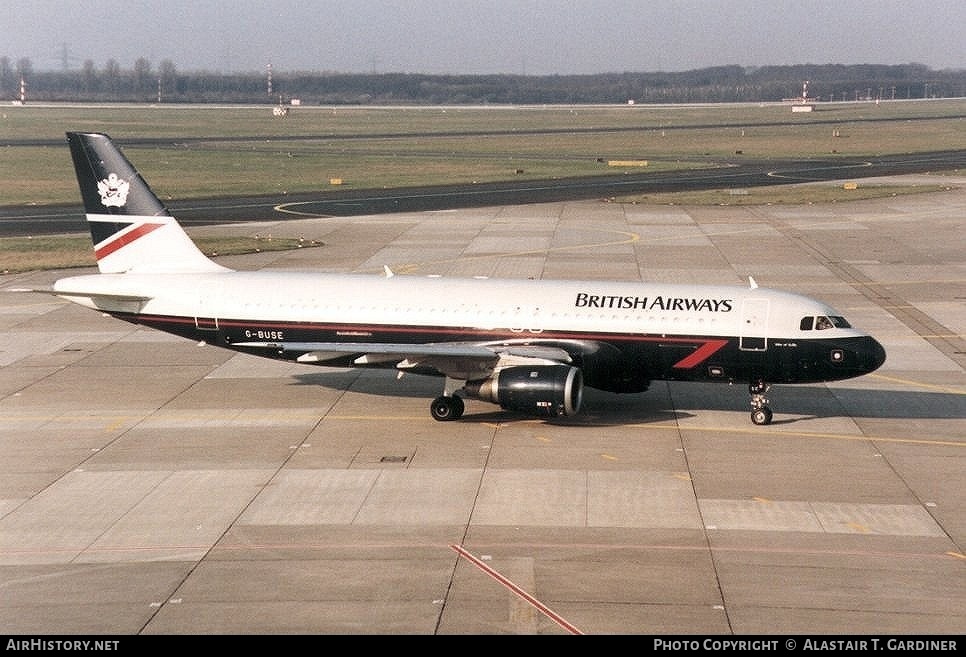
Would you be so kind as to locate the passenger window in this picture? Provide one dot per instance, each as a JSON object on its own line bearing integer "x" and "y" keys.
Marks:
{"x": 806, "y": 324}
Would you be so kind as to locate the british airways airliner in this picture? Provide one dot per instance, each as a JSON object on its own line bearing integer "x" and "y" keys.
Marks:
{"x": 529, "y": 346}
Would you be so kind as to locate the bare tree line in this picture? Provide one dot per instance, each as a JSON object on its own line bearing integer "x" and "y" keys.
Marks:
{"x": 144, "y": 82}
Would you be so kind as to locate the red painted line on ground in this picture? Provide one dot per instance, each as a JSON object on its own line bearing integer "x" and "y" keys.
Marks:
{"x": 542, "y": 608}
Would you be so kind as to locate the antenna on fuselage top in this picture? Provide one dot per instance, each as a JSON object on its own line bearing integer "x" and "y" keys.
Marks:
{"x": 751, "y": 283}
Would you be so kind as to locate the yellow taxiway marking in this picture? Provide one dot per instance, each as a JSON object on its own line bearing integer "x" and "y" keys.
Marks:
{"x": 114, "y": 423}
{"x": 625, "y": 238}
{"x": 918, "y": 384}
{"x": 805, "y": 434}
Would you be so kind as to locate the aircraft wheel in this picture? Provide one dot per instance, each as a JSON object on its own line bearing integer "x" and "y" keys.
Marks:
{"x": 761, "y": 415}
{"x": 444, "y": 408}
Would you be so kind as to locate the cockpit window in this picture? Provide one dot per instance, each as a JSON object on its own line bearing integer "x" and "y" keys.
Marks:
{"x": 822, "y": 322}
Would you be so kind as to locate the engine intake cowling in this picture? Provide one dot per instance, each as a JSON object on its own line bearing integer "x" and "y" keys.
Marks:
{"x": 544, "y": 390}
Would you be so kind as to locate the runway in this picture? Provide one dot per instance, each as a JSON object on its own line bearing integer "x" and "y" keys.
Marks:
{"x": 737, "y": 174}
{"x": 150, "y": 485}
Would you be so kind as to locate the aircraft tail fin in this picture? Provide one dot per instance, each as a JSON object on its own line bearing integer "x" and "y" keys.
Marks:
{"x": 131, "y": 229}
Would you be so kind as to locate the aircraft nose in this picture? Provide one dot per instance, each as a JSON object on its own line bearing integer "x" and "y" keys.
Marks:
{"x": 876, "y": 354}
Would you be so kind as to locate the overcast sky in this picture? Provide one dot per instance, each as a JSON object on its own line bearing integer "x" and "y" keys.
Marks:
{"x": 532, "y": 37}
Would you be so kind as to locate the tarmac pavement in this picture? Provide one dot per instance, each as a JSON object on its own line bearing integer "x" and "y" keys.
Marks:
{"x": 149, "y": 485}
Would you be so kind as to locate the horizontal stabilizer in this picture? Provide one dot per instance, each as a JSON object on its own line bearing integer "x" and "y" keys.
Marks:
{"x": 107, "y": 296}
{"x": 104, "y": 301}
{"x": 95, "y": 299}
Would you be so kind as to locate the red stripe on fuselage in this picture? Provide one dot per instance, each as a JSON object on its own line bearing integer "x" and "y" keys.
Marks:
{"x": 707, "y": 347}
{"x": 125, "y": 239}
{"x": 700, "y": 354}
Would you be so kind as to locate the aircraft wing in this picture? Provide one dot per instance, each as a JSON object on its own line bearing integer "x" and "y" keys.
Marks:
{"x": 458, "y": 360}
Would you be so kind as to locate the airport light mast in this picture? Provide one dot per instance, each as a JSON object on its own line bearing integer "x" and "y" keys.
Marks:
{"x": 802, "y": 104}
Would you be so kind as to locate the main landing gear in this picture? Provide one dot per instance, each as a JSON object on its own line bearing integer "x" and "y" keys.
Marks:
{"x": 448, "y": 406}
{"x": 760, "y": 413}
{"x": 445, "y": 408}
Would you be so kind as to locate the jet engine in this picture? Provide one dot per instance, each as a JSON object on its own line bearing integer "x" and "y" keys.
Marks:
{"x": 544, "y": 390}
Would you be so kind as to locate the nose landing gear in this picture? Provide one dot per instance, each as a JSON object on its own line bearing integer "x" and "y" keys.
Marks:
{"x": 760, "y": 413}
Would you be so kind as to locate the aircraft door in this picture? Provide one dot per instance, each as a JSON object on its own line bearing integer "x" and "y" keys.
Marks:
{"x": 206, "y": 322}
{"x": 753, "y": 334}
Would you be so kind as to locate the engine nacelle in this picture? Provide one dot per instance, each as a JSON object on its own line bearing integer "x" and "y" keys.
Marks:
{"x": 544, "y": 390}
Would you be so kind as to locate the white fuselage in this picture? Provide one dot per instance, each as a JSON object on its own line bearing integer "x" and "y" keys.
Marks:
{"x": 530, "y": 306}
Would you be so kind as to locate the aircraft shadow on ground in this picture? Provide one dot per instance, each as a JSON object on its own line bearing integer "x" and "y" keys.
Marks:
{"x": 678, "y": 400}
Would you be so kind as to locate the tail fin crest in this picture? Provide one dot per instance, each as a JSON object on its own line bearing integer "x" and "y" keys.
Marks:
{"x": 131, "y": 229}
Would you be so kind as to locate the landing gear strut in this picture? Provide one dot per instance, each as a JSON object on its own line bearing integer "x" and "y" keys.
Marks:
{"x": 760, "y": 413}
{"x": 445, "y": 408}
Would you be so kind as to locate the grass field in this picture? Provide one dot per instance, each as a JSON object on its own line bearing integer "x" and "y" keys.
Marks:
{"x": 247, "y": 150}
{"x": 240, "y": 150}
{"x": 20, "y": 254}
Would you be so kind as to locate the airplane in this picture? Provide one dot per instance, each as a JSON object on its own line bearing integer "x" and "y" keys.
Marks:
{"x": 529, "y": 346}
